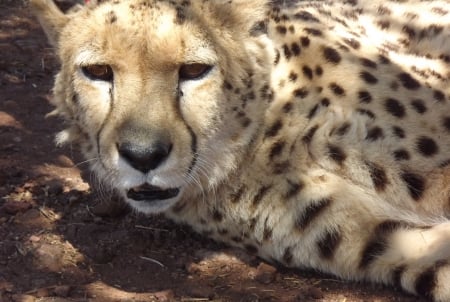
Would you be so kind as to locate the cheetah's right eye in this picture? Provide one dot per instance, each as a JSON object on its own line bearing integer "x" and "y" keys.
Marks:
{"x": 98, "y": 72}
{"x": 193, "y": 71}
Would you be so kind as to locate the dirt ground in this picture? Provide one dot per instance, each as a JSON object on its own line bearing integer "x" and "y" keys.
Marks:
{"x": 60, "y": 242}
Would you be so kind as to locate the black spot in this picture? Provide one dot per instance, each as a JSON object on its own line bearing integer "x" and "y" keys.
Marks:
{"x": 383, "y": 24}
{"x": 331, "y": 55}
{"x": 364, "y": 97}
{"x": 307, "y": 72}
{"x": 328, "y": 244}
{"x": 439, "y": 95}
{"x": 251, "y": 248}
{"x": 365, "y": 112}
{"x": 397, "y": 274}
{"x": 426, "y": 281}
{"x": 401, "y": 154}
{"x": 305, "y": 16}
{"x": 287, "y": 255}
{"x": 374, "y": 134}
{"x": 293, "y": 188}
{"x": 287, "y": 52}
{"x": 415, "y": 184}
{"x": 398, "y": 132}
{"x": 427, "y": 146}
{"x": 252, "y": 224}
{"x": 305, "y": 41}
{"x": 319, "y": 71}
{"x": 276, "y": 149}
{"x": 311, "y": 212}
{"x": 301, "y": 92}
{"x": 368, "y": 63}
{"x": 395, "y": 108}
{"x": 378, "y": 176}
{"x": 287, "y": 107}
{"x": 222, "y": 232}
{"x": 227, "y": 85}
{"x": 274, "y": 129}
{"x": 296, "y": 50}
{"x": 378, "y": 244}
{"x": 258, "y": 28}
{"x": 111, "y": 17}
{"x": 325, "y": 102}
{"x": 293, "y": 76}
{"x": 260, "y": 194}
{"x": 236, "y": 239}
{"x": 277, "y": 57}
{"x": 236, "y": 196}
{"x": 343, "y": 129}
{"x": 313, "y": 111}
{"x": 419, "y": 106}
{"x": 353, "y": 43}
{"x": 307, "y": 138}
{"x": 217, "y": 215}
{"x": 313, "y": 31}
{"x": 281, "y": 167}
{"x": 267, "y": 233}
{"x": 408, "y": 81}
{"x": 180, "y": 16}
{"x": 337, "y": 90}
{"x": 383, "y": 60}
{"x": 336, "y": 153}
{"x": 446, "y": 123}
{"x": 281, "y": 29}
{"x": 409, "y": 31}
{"x": 76, "y": 98}
{"x": 368, "y": 77}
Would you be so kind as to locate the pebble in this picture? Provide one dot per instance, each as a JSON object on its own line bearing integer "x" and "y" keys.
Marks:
{"x": 13, "y": 207}
{"x": 62, "y": 291}
{"x": 265, "y": 273}
{"x": 165, "y": 296}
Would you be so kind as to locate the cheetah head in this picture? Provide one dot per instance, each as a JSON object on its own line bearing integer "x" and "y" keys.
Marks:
{"x": 163, "y": 97}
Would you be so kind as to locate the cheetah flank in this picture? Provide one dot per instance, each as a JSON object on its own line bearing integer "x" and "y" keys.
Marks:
{"x": 314, "y": 134}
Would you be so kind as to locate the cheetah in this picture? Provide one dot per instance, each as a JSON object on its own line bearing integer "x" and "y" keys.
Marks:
{"x": 315, "y": 134}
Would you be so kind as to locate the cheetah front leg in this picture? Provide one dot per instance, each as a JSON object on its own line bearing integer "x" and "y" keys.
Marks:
{"x": 415, "y": 258}
{"x": 351, "y": 232}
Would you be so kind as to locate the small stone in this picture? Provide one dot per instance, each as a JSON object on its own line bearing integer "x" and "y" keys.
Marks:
{"x": 165, "y": 296}
{"x": 64, "y": 161}
{"x": 13, "y": 207}
{"x": 42, "y": 292}
{"x": 23, "y": 298}
{"x": 34, "y": 238}
{"x": 55, "y": 187}
{"x": 62, "y": 291}
{"x": 265, "y": 274}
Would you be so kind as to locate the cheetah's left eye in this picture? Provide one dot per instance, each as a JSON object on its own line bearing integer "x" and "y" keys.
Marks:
{"x": 193, "y": 71}
{"x": 98, "y": 72}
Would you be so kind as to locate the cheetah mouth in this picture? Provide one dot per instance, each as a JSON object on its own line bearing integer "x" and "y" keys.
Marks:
{"x": 148, "y": 192}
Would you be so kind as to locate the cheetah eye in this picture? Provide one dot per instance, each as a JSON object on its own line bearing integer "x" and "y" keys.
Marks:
{"x": 193, "y": 71}
{"x": 98, "y": 72}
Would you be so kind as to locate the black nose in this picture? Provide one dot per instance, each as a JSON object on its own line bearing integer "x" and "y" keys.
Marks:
{"x": 145, "y": 157}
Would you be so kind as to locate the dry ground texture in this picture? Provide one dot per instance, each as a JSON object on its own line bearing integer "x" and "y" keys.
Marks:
{"x": 58, "y": 242}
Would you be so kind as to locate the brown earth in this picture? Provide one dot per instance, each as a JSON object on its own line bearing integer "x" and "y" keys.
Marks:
{"x": 59, "y": 243}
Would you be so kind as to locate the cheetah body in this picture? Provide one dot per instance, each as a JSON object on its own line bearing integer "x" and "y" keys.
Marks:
{"x": 317, "y": 138}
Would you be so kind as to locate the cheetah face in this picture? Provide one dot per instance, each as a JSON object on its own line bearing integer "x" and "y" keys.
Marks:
{"x": 152, "y": 100}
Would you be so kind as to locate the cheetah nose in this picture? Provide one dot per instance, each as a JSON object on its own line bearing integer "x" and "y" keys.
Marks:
{"x": 145, "y": 157}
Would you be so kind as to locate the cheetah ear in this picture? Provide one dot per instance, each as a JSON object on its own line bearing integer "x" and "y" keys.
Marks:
{"x": 50, "y": 17}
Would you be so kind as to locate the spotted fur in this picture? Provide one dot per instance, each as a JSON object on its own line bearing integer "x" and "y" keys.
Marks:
{"x": 315, "y": 134}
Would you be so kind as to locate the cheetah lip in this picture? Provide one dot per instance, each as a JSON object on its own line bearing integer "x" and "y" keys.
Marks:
{"x": 148, "y": 192}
